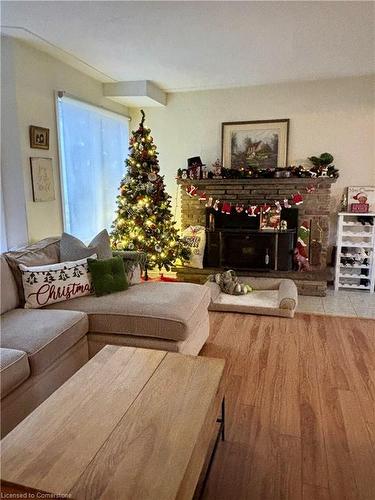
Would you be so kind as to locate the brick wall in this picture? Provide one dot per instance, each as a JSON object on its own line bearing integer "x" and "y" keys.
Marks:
{"x": 315, "y": 207}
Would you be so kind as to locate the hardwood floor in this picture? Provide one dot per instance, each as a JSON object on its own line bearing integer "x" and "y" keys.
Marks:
{"x": 300, "y": 408}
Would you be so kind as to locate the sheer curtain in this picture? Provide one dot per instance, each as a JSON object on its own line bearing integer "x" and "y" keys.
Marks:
{"x": 93, "y": 146}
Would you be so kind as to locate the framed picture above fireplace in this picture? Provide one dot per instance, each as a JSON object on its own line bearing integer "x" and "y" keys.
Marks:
{"x": 258, "y": 144}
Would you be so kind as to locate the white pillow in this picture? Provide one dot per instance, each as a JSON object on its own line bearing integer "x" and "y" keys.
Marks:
{"x": 195, "y": 237}
{"x": 44, "y": 285}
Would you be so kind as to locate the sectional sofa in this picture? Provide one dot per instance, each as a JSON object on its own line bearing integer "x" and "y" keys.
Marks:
{"x": 42, "y": 348}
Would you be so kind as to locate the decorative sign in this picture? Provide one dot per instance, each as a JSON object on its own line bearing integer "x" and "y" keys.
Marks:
{"x": 42, "y": 179}
{"x": 361, "y": 199}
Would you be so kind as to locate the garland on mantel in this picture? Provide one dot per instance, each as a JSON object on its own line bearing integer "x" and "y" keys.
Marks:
{"x": 251, "y": 210}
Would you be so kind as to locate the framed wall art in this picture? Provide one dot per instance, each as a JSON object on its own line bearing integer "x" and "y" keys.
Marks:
{"x": 361, "y": 199}
{"x": 255, "y": 144}
{"x": 39, "y": 137}
{"x": 42, "y": 179}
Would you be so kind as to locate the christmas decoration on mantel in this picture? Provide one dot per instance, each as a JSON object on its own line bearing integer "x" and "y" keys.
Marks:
{"x": 321, "y": 166}
{"x": 251, "y": 210}
{"x": 143, "y": 218}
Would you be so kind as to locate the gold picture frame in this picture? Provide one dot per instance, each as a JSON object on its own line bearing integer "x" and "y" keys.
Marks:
{"x": 261, "y": 144}
{"x": 39, "y": 137}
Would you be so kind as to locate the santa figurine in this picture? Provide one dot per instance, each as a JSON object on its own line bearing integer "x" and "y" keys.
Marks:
{"x": 360, "y": 197}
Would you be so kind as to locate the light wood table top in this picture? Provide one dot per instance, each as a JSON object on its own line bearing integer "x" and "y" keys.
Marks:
{"x": 130, "y": 424}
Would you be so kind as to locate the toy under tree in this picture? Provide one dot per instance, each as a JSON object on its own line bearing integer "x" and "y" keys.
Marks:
{"x": 143, "y": 219}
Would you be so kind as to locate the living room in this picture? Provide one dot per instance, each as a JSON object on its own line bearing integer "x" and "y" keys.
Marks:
{"x": 183, "y": 222}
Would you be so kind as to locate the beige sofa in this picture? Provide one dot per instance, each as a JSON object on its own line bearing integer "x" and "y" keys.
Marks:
{"x": 41, "y": 348}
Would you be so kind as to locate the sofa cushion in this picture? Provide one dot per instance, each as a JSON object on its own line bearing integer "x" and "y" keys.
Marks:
{"x": 43, "y": 335}
{"x": 9, "y": 292}
{"x": 71, "y": 248}
{"x": 151, "y": 309}
{"x": 43, "y": 252}
{"x": 14, "y": 369}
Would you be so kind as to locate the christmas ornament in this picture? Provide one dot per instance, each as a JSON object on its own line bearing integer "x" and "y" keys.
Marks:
{"x": 202, "y": 197}
{"x": 216, "y": 205}
{"x": 266, "y": 208}
{"x": 152, "y": 176}
{"x": 252, "y": 211}
{"x": 297, "y": 199}
{"x": 209, "y": 202}
{"x": 226, "y": 208}
{"x": 158, "y": 248}
{"x": 191, "y": 190}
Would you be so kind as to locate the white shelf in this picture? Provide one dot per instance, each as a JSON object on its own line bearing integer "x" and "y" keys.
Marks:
{"x": 344, "y": 278}
{"x": 355, "y": 266}
{"x": 357, "y": 235}
{"x": 358, "y": 245}
{"x": 354, "y": 276}
{"x": 354, "y": 287}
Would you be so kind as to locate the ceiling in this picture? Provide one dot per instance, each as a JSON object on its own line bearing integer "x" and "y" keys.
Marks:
{"x": 201, "y": 45}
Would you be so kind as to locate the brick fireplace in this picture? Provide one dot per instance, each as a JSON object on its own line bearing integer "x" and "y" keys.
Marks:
{"x": 314, "y": 211}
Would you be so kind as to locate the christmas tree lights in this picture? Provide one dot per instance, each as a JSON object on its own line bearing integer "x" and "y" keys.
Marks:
{"x": 143, "y": 218}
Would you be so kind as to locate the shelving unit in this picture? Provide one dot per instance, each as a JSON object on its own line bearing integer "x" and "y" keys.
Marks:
{"x": 355, "y": 258}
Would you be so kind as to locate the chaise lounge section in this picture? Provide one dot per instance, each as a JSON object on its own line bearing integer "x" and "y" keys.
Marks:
{"x": 42, "y": 348}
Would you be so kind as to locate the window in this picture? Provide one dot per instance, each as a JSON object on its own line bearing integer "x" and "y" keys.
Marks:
{"x": 93, "y": 146}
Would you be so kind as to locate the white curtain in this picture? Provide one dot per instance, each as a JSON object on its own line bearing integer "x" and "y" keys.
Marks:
{"x": 93, "y": 147}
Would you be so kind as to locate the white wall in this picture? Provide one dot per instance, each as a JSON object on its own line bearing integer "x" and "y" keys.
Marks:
{"x": 328, "y": 115}
{"x": 36, "y": 77}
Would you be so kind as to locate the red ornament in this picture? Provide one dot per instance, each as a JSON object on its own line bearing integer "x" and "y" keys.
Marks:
{"x": 266, "y": 208}
{"x": 252, "y": 211}
{"x": 297, "y": 199}
{"x": 191, "y": 191}
{"x": 226, "y": 208}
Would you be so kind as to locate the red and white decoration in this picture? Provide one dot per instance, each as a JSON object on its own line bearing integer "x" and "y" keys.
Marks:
{"x": 44, "y": 285}
{"x": 251, "y": 210}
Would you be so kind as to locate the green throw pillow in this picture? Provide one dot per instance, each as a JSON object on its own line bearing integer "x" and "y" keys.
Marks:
{"x": 108, "y": 276}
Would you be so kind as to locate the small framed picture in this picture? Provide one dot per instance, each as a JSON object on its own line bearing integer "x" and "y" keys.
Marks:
{"x": 39, "y": 137}
{"x": 42, "y": 179}
{"x": 270, "y": 221}
{"x": 361, "y": 199}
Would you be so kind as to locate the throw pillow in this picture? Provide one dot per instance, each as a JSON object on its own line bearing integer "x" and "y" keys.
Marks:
{"x": 108, "y": 276}
{"x": 44, "y": 285}
{"x": 195, "y": 237}
{"x": 71, "y": 248}
{"x": 38, "y": 254}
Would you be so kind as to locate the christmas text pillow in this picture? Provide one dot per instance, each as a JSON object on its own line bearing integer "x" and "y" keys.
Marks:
{"x": 195, "y": 237}
{"x": 44, "y": 285}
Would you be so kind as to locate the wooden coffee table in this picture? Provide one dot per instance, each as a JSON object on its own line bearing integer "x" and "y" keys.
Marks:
{"x": 130, "y": 424}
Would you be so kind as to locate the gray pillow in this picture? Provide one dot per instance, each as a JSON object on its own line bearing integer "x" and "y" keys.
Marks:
{"x": 71, "y": 248}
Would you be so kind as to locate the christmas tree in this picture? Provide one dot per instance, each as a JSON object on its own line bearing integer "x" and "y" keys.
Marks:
{"x": 143, "y": 219}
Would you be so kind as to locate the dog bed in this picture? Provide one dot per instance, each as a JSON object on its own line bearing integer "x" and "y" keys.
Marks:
{"x": 270, "y": 297}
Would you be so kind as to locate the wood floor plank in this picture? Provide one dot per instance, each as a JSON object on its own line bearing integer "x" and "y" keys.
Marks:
{"x": 360, "y": 445}
{"x": 340, "y": 466}
{"x": 314, "y": 458}
{"x": 290, "y": 430}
